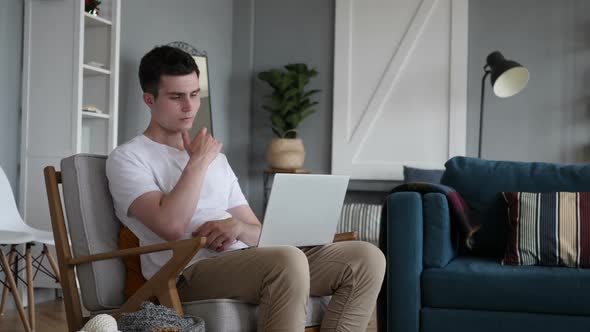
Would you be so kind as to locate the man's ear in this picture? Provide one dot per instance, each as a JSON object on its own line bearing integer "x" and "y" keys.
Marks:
{"x": 149, "y": 99}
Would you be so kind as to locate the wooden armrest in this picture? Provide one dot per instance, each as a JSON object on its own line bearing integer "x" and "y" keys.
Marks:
{"x": 162, "y": 285}
{"x": 348, "y": 236}
{"x": 197, "y": 242}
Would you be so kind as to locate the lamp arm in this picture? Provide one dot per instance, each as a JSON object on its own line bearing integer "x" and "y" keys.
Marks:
{"x": 483, "y": 81}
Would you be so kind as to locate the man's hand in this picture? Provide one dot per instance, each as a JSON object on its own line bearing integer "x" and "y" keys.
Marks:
{"x": 220, "y": 233}
{"x": 203, "y": 148}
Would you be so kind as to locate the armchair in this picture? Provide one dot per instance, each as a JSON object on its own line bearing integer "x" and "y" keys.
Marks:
{"x": 95, "y": 259}
{"x": 433, "y": 284}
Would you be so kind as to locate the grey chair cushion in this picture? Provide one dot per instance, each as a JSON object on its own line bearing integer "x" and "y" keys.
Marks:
{"x": 93, "y": 229}
{"x": 234, "y": 316}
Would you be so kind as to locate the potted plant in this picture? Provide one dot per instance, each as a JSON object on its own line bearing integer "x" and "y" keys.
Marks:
{"x": 289, "y": 104}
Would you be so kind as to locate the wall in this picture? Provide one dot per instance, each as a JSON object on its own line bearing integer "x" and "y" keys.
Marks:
{"x": 241, "y": 91}
{"x": 550, "y": 120}
{"x": 11, "y": 34}
{"x": 287, "y": 32}
{"x": 207, "y": 25}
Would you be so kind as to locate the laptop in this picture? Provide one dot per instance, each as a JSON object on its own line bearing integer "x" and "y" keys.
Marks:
{"x": 303, "y": 210}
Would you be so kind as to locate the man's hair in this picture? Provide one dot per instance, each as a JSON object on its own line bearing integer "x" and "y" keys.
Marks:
{"x": 164, "y": 60}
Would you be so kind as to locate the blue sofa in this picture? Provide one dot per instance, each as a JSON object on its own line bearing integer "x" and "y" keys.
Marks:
{"x": 433, "y": 284}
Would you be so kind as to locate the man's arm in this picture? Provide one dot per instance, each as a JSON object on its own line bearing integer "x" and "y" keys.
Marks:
{"x": 168, "y": 215}
{"x": 243, "y": 226}
{"x": 251, "y": 224}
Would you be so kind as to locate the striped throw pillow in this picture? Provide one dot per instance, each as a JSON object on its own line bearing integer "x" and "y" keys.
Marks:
{"x": 551, "y": 229}
{"x": 363, "y": 218}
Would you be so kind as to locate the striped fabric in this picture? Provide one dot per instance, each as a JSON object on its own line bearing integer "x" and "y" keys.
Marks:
{"x": 548, "y": 229}
{"x": 363, "y": 218}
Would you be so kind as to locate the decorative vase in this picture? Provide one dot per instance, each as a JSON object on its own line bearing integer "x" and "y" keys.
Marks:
{"x": 285, "y": 153}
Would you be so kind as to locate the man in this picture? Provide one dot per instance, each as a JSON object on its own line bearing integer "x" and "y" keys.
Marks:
{"x": 167, "y": 186}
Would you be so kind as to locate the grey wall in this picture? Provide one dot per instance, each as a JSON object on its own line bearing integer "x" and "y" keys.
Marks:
{"x": 241, "y": 91}
{"x": 207, "y": 25}
{"x": 11, "y": 30}
{"x": 550, "y": 120}
{"x": 286, "y": 32}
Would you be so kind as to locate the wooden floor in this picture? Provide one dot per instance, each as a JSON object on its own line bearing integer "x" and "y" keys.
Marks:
{"x": 51, "y": 317}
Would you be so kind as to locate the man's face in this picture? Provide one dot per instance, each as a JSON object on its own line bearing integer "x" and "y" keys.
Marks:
{"x": 177, "y": 103}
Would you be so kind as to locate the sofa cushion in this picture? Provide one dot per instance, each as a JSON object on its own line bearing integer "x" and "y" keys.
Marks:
{"x": 413, "y": 174}
{"x": 481, "y": 183}
{"x": 432, "y": 319}
{"x": 483, "y": 284}
{"x": 550, "y": 229}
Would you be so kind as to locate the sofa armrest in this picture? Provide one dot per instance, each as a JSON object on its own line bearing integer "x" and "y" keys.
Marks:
{"x": 400, "y": 301}
{"x": 439, "y": 248}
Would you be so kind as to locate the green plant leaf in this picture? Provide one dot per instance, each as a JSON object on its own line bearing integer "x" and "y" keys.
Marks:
{"x": 307, "y": 113}
{"x": 290, "y": 103}
{"x": 293, "y": 119}
{"x": 310, "y": 93}
{"x": 291, "y": 93}
{"x": 278, "y": 121}
{"x": 276, "y": 132}
{"x": 291, "y": 134}
{"x": 287, "y": 107}
{"x": 277, "y": 98}
{"x": 297, "y": 67}
{"x": 272, "y": 77}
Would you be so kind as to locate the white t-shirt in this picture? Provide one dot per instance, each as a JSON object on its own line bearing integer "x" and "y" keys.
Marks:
{"x": 143, "y": 165}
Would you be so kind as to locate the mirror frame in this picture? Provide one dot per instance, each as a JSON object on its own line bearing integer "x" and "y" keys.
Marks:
{"x": 194, "y": 52}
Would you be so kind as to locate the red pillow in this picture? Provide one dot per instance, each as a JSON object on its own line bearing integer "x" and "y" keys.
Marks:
{"x": 134, "y": 278}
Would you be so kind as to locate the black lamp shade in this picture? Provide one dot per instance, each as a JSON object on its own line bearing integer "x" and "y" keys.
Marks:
{"x": 508, "y": 77}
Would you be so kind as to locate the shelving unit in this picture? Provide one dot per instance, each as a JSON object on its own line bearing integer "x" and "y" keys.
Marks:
{"x": 91, "y": 115}
{"x": 70, "y": 62}
{"x": 90, "y": 70}
{"x": 94, "y": 21}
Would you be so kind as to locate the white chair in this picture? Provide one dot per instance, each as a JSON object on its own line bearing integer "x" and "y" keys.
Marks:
{"x": 14, "y": 231}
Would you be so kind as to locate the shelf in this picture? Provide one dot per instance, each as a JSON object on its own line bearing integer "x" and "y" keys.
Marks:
{"x": 96, "y": 21}
{"x": 95, "y": 71}
{"x": 90, "y": 115}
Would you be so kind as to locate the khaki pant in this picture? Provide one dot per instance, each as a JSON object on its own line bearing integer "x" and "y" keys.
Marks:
{"x": 281, "y": 279}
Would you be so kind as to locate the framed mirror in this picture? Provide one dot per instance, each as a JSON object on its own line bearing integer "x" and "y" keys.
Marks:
{"x": 203, "y": 118}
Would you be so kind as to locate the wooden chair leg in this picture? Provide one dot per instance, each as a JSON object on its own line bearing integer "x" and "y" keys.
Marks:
{"x": 30, "y": 290}
{"x": 47, "y": 253}
{"x": 5, "y": 289}
{"x": 14, "y": 290}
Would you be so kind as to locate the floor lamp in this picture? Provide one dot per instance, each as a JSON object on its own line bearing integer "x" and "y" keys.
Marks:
{"x": 507, "y": 77}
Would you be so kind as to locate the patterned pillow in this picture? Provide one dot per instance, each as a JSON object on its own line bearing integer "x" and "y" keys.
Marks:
{"x": 551, "y": 229}
{"x": 363, "y": 218}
